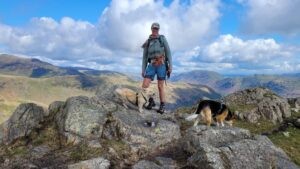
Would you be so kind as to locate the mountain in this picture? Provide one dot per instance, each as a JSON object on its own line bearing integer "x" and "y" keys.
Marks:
{"x": 199, "y": 77}
{"x": 286, "y": 85}
{"x": 31, "y": 67}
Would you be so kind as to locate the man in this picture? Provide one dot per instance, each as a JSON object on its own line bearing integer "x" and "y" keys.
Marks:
{"x": 157, "y": 60}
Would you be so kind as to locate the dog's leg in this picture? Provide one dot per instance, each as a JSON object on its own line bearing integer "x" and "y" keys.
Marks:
{"x": 196, "y": 122}
{"x": 222, "y": 123}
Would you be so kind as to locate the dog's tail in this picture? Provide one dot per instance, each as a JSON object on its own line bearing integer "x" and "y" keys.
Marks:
{"x": 191, "y": 117}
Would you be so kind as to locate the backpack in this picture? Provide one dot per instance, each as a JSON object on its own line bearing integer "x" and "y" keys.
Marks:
{"x": 147, "y": 43}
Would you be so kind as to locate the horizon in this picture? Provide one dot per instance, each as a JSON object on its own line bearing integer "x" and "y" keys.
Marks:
{"x": 175, "y": 73}
{"x": 226, "y": 36}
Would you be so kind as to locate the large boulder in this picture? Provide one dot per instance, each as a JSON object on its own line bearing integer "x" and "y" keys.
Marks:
{"x": 82, "y": 118}
{"x": 130, "y": 127}
{"x": 95, "y": 163}
{"x": 295, "y": 103}
{"x": 258, "y": 103}
{"x": 26, "y": 118}
{"x": 157, "y": 163}
{"x": 213, "y": 147}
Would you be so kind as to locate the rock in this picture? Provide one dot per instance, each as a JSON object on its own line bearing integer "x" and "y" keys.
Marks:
{"x": 232, "y": 148}
{"x": 94, "y": 144}
{"x": 83, "y": 118}
{"x": 297, "y": 123}
{"x": 294, "y": 102}
{"x": 26, "y": 118}
{"x": 166, "y": 163}
{"x": 206, "y": 156}
{"x": 146, "y": 164}
{"x": 198, "y": 135}
{"x": 96, "y": 163}
{"x": 158, "y": 163}
{"x": 258, "y": 103}
{"x": 40, "y": 151}
{"x": 128, "y": 125}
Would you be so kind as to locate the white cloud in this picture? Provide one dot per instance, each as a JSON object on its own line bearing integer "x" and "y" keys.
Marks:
{"x": 228, "y": 54}
{"x": 126, "y": 24}
{"x": 272, "y": 16}
{"x": 114, "y": 42}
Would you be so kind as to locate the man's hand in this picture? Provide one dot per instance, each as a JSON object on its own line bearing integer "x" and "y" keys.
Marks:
{"x": 169, "y": 73}
{"x": 143, "y": 74}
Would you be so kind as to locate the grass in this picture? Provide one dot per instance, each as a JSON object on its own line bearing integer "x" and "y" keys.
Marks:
{"x": 42, "y": 91}
{"x": 242, "y": 107}
{"x": 291, "y": 144}
{"x": 48, "y": 136}
{"x": 256, "y": 128}
{"x": 82, "y": 152}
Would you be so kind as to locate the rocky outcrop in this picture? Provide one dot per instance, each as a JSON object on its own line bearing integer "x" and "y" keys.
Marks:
{"x": 95, "y": 118}
{"x": 232, "y": 148}
{"x": 82, "y": 118}
{"x": 258, "y": 103}
{"x": 96, "y": 163}
{"x": 157, "y": 163}
{"x": 294, "y": 103}
{"x": 97, "y": 132}
{"x": 25, "y": 119}
{"x": 132, "y": 128}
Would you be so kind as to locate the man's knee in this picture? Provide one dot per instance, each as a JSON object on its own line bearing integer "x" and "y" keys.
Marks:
{"x": 160, "y": 85}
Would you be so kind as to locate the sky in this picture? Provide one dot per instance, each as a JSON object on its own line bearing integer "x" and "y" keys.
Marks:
{"x": 225, "y": 36}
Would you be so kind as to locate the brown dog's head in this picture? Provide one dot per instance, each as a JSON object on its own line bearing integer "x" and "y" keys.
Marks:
{"x": 231, "y": 117}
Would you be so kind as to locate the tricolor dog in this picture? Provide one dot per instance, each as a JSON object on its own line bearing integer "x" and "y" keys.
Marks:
{"x": 208, "y": 110}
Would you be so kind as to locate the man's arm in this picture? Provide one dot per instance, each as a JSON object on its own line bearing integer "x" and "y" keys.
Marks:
{"x": 168, "y": 53}
{"x": 144, "y": 62}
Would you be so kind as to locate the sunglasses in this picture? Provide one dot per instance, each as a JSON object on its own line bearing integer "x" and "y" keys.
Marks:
{"x": 155, "y": 28}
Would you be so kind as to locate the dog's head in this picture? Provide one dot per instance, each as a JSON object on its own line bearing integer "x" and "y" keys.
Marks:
{"x": 231, "y": 117}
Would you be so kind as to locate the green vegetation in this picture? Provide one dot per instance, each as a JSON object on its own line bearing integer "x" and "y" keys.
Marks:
{"x": 256, "y": 128}
{"x": 242, "y": 107}
{"x": 82, "y": 152}
{"x": 42, "y": 91}
{"x": 290, "y": 144}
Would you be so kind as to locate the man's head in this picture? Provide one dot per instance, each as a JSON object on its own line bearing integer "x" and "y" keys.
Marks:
{"x": 155, "y": 28}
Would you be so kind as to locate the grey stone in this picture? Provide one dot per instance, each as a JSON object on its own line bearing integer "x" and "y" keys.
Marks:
{"x": 95, "y": 163}
{"x": 83, "y": 118}
{"x": 195, "y": 136}
{"x": 166, "y": 163}
{"x": 146, "y": 164}
{"x": 232, "y": 148}
{"x": 40, "y": 151}
{"x": 26, "y": 118}
{"x": 258, "y": 103}
{"x": 129, "y": 126}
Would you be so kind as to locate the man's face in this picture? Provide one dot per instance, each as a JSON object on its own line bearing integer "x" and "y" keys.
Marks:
{"x": 155, "y": 30}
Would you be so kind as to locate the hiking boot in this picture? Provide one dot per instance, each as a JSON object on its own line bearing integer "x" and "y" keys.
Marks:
{"x": 151, "y": 103}
{"x": 161, "y": 109}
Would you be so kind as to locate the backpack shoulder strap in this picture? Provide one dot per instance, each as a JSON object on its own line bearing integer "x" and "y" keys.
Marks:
{"x": 161, "y": 41}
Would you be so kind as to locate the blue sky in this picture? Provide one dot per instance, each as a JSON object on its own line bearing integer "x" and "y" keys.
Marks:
{"x": 229, "y": 36}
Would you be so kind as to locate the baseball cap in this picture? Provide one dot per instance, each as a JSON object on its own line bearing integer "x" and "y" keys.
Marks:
{"x": 155, "y": 25}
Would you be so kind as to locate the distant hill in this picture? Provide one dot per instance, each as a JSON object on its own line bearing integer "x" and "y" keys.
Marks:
{"x": 205, "y": 77}
{"x": 31, "y": 67}
{"x": 286, "y": 85}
